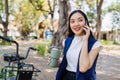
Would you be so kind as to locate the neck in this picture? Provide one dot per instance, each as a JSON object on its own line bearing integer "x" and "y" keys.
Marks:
{"x": 79, "y": 34}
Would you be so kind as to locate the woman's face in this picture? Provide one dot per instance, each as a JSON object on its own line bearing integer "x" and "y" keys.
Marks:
{"x": 77, "y": 22}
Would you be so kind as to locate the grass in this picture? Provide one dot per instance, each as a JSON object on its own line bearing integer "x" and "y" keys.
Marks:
{"x": 42, "y": 49}
{"x": 106, "y": 42}
{"x": 5, "y": 43}
{"x": 6, "y": 73}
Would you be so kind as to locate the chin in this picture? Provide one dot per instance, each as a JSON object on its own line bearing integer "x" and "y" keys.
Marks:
{"x": 79, "y": 34}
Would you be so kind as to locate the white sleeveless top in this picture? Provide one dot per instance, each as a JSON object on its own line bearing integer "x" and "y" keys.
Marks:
{"x": 73, "y": 52}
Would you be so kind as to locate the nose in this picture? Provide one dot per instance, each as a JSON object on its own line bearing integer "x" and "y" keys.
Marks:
{"x": 76, "y": 23}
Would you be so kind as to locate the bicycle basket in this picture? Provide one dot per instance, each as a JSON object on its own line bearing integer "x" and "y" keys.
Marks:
{"x": 26, "y": 72}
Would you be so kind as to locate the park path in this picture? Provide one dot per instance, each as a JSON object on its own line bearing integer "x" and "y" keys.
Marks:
{"x": 107, "y": 67}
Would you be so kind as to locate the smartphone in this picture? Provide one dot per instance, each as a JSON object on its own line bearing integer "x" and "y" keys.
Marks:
{"x": 84, "y": 30}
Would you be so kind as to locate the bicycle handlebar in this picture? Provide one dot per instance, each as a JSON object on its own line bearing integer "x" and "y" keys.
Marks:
{"x": 18, "y": 58}
{"x": 30, "y": 48}
{"x": 9, "y": 40}
{"x": 17, "y": 47}
{"x": 33, "y": 48}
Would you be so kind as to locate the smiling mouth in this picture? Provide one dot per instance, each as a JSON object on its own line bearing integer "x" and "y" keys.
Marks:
{"x": 77, "y": 29}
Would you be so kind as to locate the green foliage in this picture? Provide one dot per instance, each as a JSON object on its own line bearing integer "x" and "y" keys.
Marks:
{"x": 5, "y": 43}
{"x": 91, "y": 3}
{"x": 25, "y": 14}
{"x": 42, "y": 49}
{"x": 41, "y": 5}
{"x": 4, "y": 74}
{"x": 2, "y": 7}
{"x": 40, "y": 31}
{"x": 92, "y": 17}
{"x": 106, "y": 42}
{"x": 116, "y": 43}
{"x": 26, "y": 28}
{"x": 78, "y": 3}
{"x": 114, "y": 7}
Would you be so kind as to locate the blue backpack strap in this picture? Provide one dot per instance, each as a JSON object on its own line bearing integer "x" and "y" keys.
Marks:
{"x": 63, "y": 64}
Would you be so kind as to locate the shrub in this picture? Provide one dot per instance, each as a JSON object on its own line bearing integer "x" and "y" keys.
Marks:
{"x": 5, "y": 43}
{"x": 42, "y": 49}
{"x": 116, "y": 43}
{"x": 106, "y": 42}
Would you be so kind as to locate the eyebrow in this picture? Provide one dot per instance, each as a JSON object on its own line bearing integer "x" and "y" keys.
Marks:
{"x": 78, "y": 18}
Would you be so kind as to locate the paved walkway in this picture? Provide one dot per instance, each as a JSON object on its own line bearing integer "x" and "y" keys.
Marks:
{"x": 107, "y": 67}
{"x": 109, "y": 63}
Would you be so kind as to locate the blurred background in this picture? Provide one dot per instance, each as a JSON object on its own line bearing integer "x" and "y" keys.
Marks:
{"x": 43, "y": 23}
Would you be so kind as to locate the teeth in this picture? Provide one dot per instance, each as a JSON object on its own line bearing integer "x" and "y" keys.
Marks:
{"x": 77, "y": 29}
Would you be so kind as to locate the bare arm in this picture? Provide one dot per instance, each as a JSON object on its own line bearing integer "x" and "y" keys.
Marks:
{"x": 87, "y": 59}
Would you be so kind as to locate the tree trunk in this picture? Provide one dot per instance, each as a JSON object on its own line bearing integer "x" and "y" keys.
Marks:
{"x": 52, "y": 12}
{"x": 64, "y": 8}
{"x": 99, "y": 22}
{"x": 5, "y": 23}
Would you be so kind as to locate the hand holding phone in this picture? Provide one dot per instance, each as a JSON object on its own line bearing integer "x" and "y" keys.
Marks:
{"x": 86, "y": 30}
{"x": 84, "y": 27}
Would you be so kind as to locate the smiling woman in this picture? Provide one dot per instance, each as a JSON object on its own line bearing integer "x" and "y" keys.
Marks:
{"x": 81, "y": 50}
{"x": 77, "y": 23}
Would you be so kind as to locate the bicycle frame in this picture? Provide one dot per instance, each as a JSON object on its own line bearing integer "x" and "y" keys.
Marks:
{"x": 20, "y": 68}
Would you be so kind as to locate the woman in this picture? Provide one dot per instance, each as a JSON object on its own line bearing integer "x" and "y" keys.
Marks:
{"x": 81, "y": 50}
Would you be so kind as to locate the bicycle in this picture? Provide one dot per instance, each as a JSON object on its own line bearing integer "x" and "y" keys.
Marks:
{"x": 16, "y": 68}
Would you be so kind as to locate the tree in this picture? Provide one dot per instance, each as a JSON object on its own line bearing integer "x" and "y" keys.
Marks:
{"x": 99, "y": 21}
{"x": 25, "y": 16}
{"x": 114, "y": 8}
{"x": 5, "y": 23}
{"x": 45, "y": 6}
{"x": 92, "y": 18}
{"x": 64, "y": 8}
{"x": 99, "y": 13}
{"x": 78, "y": 3}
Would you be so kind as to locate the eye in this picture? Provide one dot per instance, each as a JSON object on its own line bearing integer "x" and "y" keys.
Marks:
{"x": 80, "y": 20}
{"x": 72, "y": 21}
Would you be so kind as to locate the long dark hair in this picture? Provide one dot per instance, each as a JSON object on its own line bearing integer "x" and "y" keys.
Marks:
{"x": 70, "y": 32}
